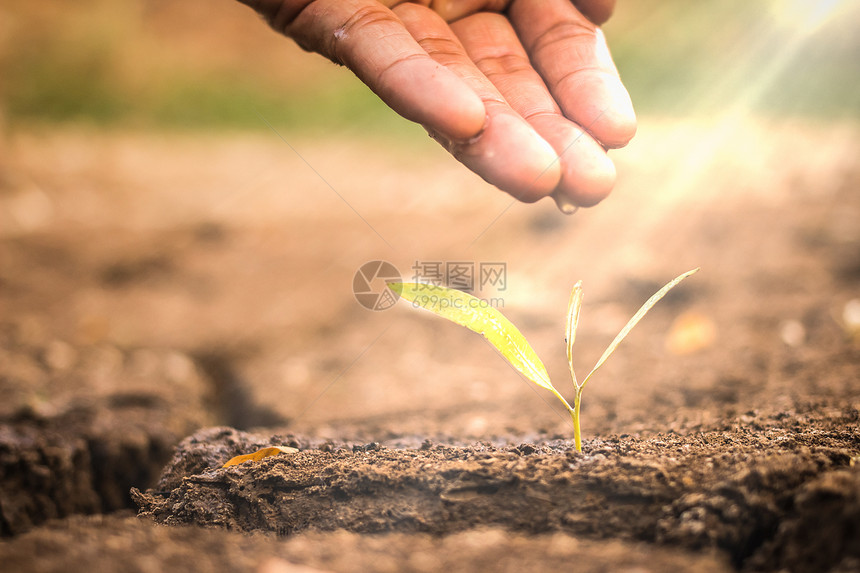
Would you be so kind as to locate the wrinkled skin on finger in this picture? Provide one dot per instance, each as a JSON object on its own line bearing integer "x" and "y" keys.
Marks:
{"x": 523, "y": 92}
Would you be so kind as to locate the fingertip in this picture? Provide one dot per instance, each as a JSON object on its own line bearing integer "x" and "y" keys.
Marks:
{"x": 597, "y": 11}
{"x": 531, "y": 167}
{"x": 587, "y": 172}
{"x": 588, "y": 176}
{"x": 458, "y": 114}
{"x": 616, "y": 131}
{"x": 620, "y": 123}
{"x": 614, "y": 124}
{"x": 512, "y": 156}
{"x": 462, "y": 115}
{"x": 591, "y": 185}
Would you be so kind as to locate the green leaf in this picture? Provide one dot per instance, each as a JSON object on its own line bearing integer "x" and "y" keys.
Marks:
{"x": 635, "y": 320}
{"x": 476, "y": 315}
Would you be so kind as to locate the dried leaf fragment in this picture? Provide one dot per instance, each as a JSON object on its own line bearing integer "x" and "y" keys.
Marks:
{"x": 259, "y": 455}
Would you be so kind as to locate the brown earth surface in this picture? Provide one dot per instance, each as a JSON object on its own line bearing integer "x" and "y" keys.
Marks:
{"x": 153, "y": 286}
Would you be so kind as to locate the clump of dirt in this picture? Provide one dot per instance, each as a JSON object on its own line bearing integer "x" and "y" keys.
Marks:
{"x": 82, "y": 460}
{"x": 81, "y": 424}
{"x": 825, "y": 530}
{"x": 748, "y": 491}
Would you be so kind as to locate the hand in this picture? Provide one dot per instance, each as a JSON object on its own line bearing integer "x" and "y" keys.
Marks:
{"x": 523, "y": 92}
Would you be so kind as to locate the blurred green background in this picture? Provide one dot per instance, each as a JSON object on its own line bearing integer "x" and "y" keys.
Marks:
{"x": 206, "y": 65}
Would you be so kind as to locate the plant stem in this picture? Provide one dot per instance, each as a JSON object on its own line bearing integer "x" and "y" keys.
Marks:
{"x": 574, "y": 414}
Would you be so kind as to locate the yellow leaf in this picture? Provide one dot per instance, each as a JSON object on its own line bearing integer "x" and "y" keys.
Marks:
{"x": 477, "y": 315}
{"x": 259, "y": 455}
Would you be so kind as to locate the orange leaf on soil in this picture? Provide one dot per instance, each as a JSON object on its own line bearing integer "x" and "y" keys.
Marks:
{"x": 259, "y": 455}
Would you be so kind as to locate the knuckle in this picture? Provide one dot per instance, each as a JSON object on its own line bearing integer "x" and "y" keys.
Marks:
{"x": 441, "y": 46}
{"x": 361, "y": 22}
{"x": 495, "y": 65}
{"x": 562, "y": 34}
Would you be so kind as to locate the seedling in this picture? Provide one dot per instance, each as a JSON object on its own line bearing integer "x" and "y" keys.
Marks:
{"x": 475, "y": 314}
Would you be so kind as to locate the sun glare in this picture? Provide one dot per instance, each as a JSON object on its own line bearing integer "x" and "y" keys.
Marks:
{"x": 802, "y": 16}
{"x": 768, "y": 52}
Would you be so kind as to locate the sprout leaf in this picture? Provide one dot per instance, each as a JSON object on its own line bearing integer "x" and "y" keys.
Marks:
{"x": 573, "y": 308}
{"x": 635, "y": 320}
{"x": 476, "y": 315}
